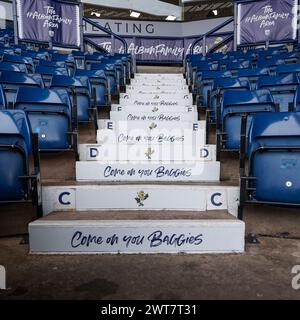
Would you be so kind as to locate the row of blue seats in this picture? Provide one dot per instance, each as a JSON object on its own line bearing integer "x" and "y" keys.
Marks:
{"x": 205, "y": 81}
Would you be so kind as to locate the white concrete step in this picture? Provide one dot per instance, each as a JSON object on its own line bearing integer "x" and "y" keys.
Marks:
{"x": 107, "y": 152}
{"x": 136, "y": 236}
{"x": 156, "y": 101}
{"x": 167, "y": 97}
{"x": 158, "y": 81}
{"x": 157, "y": 90}
{"x": 163, "y": 86}
{"x": 174, "y": 117}
{"x": 129, "y": 171}
{"x": 158, "y": 75}
{"x": 122, "y": 197}
{"x": 151, "y": 125}
{"x": 156, "y": 109}
{"x": 175, "y": 136}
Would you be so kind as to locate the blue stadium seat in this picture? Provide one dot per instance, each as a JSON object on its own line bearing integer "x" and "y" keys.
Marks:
{"x": 220, "y": 86}
{"x": 81, "y": 88}
{"x": 99, "y": 84}
{"x": 274, "y": 161}
{"x": 3, "y": 103}
{"x": 283, "y": 89}
{"x": 112, "y": 75}
{"x": 16, "y": 145}
{"x": 18, "y": 60}
{"x": 288, "y": 68}
{"x": 47, "y": 72}
{"x": 253, "y": 75}
{"x": 206, "y": 82}
{"x": 11, "y": 81}
{"x": 7, "y": 66}
{"x": 234, "y": 106}
{"x": 50, "y": 115}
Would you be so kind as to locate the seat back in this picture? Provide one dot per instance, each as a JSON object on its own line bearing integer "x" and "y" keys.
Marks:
{"x": 222, "y": 85}
{"x": 238, "y": 103}
{"x": 206, "y": 80}
{"x": 15, "y": 148}
{"x": 288, "y": 68}
{"x": 50, "y": 115}
{"x": 82, "y": 90}
{"x": 283, "y": 89}
{"x": 98, "y": 82}
{"x": 253, "y": 75}
{"x": 11, "y": 81}
{"x": 3, "y": 103}
{"x": 274, "y": 157}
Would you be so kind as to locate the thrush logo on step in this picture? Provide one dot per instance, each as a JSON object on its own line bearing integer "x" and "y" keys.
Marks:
{"x": 141, "y": 197}
{"x": 149, "y": 153}
{"x": 152, "y": 126}
{"x": 154, "y": 109}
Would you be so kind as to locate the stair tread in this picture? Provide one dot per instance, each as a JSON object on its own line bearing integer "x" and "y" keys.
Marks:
{"x": 138, "y": 215}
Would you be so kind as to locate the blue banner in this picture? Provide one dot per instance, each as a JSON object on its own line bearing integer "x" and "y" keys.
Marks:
{"x": 49, "y": 20}
{"x": 267, "y": 20}
{"x": 169, "y": 50}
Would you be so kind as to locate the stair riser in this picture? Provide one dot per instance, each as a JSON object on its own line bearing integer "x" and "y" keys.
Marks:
{"x": 133, "y": 125}
{"x": 182, "y": 137}
{"x": 137, "y": 237}
{"x": 174, "y": 117}
{"x": 137, "y": 172}
{"x": 125, "y": 197}
{"x": 151, "y": 109}
{"x": 164, "y": 86}
{"x": 146, "y": 153}
{"x": 187, "y": 98}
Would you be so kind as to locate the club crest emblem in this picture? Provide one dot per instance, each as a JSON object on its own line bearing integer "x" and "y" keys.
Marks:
{"x": 156, "y": 97}
{"x": 149, "y": 153}
{"x": 154, "y": 109}
{"x": 267, "y": 32}
{"x": 152, "y": 126}
{"x": 141, "y": 197}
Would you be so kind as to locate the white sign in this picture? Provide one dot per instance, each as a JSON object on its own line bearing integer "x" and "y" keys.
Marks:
{"x": 96, "y": 152}
{"x": 149, "y": 109}
{"x": 155, "y": 136}
{"x": 166, "y": 97}
{"x": 174, "y": 117}
{"x": 163, "y": 197}
{"x": 134, "y": 125}
{"x": 163, "y": 236}
{"x": 156, "y": 87}
{"x": 149, "y": 171}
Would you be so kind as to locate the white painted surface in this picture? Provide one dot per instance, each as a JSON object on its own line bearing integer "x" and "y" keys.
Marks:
{"x": 160, "y": 101}
{"x": 158, "y": 75}
{"x": 199, "y": 171}
{"x": 152, "y": 109}
{"x": 157, "y": 90}
{"x": 150, "y": 125}
{"x": 157, "y": 81}
{"x": 2, "y": 278}
{"x": 174, "y": 117}
{"x": 153, "y": 137}
{"x": 149, "y": 236}
{"x": 123, "y": 197}
{"x": 163, "y": 86}
{"x": 113, "y": 152}
{"x": 187, "y": 99}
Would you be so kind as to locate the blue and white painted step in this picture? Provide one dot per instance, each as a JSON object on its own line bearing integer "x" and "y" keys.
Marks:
{"x": 122, "y": 197}
{"x": 146, "y": 153}
{"x": 136, "y": 236}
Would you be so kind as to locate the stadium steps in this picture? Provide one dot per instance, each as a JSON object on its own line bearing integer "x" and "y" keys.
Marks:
{"x": 196, "y": 216}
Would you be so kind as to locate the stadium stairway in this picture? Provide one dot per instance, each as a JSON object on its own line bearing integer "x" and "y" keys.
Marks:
{"x": 145, "y": 183}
